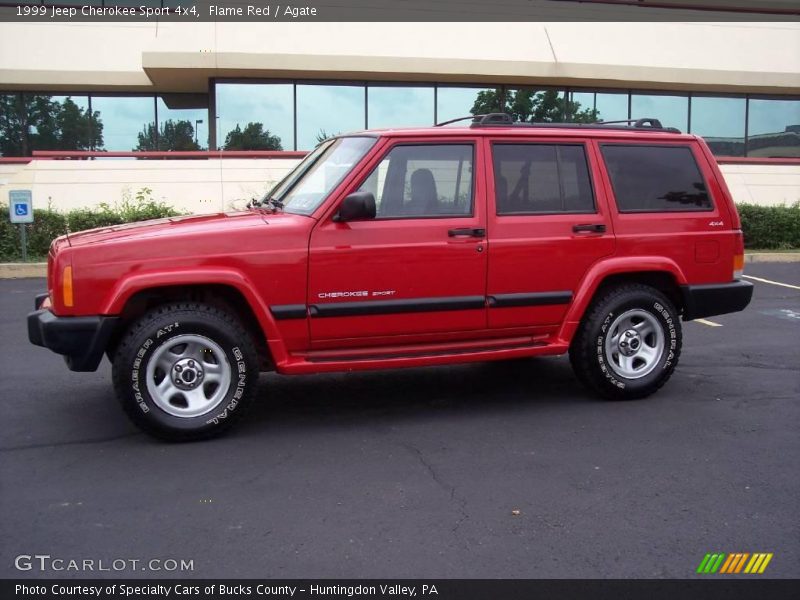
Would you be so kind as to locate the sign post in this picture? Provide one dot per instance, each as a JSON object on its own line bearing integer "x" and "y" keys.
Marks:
{"x": 20, "y": 211}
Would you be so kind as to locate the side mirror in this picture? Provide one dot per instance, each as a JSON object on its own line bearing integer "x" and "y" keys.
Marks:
{"x": 356, "y": 207}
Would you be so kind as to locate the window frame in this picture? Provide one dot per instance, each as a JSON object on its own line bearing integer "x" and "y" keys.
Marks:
{"x": 592, "y": 187}
{"x": 690, "y": 147}
{"x": 388, "y": 150}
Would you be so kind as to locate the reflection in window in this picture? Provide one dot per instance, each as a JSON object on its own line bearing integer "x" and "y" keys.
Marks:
{"x": 583, "y": 103}
{"x": 655, "y": 178}
{"x": 31, "y": 122}
{"x": 536, "y": 105}
{"x": 541, "y": 178}
{"x": 255, "y": 116}
{"x": 720, "y": 121}
{"x": 182, "y": 124}
{"x": 327, "y": 110}
{"x": 396, "y": 106}
{"x": 124, "y": 118}
{"x": 317, "y": 176}
{"x": 423, "y": 181}
{"x": 672, "y": 111}
{"x": 455, "y": 102}
{"x": 611, "y": 107}
{"x": 774, "y": 128}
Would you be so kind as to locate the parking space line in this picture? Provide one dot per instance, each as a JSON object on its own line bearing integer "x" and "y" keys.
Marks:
{"x": 707, "y": 322}
{"x": 789, "y": 285}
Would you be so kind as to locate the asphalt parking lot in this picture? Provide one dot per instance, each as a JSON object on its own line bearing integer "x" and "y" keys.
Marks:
{"x": 419, "y": 473}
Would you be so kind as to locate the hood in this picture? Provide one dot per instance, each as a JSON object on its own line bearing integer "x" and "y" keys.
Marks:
{"x": 213, "y": 223}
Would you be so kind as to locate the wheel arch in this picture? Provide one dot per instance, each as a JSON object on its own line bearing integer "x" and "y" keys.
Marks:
{"x": 660, "y": 273}
{"x": 134, "y": 296}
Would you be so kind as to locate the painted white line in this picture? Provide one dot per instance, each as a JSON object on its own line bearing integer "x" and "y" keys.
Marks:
{"x": 789, "y": 285}
{"x": 707, "y": 322}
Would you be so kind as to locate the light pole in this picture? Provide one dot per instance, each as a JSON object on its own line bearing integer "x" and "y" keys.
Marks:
{"x": 196, "y": 123}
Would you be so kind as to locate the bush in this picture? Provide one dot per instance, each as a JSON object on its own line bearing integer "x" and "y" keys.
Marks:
{"x": 48, "y": 223}
{"x": 771, "y": 227}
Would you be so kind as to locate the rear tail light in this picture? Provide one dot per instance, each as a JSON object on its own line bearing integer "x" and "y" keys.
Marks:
{"x": 738, "y": 255}
{"x": 66, "y": 286}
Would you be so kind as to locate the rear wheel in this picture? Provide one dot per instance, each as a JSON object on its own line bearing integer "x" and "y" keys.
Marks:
{"x": 628, "y": 344}
{"x": 185, "y": 371}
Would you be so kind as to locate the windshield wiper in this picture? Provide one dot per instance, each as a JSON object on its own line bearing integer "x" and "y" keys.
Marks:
{"x": 274, "y": 203}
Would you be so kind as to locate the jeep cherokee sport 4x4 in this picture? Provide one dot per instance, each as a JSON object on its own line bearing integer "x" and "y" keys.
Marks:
{"x": 402, "y": 248}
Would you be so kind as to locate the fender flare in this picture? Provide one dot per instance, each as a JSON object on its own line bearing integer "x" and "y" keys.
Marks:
{"x": 599, "y": 271}
{"x": 136, "y": 282}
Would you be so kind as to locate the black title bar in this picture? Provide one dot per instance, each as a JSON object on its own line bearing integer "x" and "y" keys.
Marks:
{"x": 265, "y": 11}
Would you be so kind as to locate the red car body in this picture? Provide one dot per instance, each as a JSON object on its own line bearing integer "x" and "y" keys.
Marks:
{"x": 326, "y": 295}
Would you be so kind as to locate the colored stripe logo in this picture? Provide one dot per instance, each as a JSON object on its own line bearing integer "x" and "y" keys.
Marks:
{"x": 736, "y": 562}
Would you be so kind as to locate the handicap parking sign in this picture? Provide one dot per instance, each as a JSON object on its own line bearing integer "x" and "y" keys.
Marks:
{"x": 20, "y": 206}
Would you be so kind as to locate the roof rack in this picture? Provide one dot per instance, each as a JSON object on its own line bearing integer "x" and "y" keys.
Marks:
{"x": 506, "y": 120}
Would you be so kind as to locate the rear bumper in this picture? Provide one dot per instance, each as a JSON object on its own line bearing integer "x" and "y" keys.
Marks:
{"x": 82, "y": 340}
{"x": 715, "y": 299}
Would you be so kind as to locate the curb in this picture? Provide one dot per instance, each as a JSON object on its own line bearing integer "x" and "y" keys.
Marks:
{"x": 26, "y": 270}
{"x": 772, "y": 257}
{"x": 22, "y": 270}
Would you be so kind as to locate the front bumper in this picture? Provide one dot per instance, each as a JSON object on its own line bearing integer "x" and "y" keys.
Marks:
{"x": 716, "y": 299}
{"x": 82, "y": 340}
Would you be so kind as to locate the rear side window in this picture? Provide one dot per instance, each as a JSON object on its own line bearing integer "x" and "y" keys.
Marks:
{"x": 655, "y": 178}
{"x": 541, "y": 178}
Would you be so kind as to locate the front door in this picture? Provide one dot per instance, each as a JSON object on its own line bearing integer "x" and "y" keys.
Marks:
{"x": 417, "y": 271}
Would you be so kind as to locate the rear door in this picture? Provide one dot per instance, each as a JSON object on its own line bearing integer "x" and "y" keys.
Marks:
{"x": 415, "y": 273}
{"x": 547, "y": 225}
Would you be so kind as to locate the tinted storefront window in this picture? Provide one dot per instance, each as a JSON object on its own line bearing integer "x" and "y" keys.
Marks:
{"x": 774, "y": 128}
{"x": 255, "y": 116}
{"x": 672, "y": 111}
{"x": 721, "y": 122}
{"x": 399, "y": 106}
{"x": 327, "y": 110}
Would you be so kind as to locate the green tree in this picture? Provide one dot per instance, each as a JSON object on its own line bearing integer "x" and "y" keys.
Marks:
{"x": 172, "y": 135}
{"x": 533, "y": 107}
{"x": 37, "y": 122}
{"x": 79, "y": 129}
{"x": 323, "y": 135}
{"x": 252, "y": 137}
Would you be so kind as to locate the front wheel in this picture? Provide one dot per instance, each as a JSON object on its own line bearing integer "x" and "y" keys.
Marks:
{"x": 185, "y": 371}
{"x": 628, "y": 344}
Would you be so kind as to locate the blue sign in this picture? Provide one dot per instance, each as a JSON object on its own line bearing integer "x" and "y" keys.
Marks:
{"x": 20, "y": 206}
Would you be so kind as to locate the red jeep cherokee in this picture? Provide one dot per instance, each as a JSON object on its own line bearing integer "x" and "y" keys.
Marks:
{"x": 403, "y": 248}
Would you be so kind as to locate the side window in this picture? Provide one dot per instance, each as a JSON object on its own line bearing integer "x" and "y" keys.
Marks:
{"x": 423, "y": 181}
{"x": 655, "y": 178}
{"x": 541, "y": 178}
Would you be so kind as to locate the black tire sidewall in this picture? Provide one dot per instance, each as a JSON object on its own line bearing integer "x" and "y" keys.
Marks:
{"x": 132, "y": 376}
{"x": 659, "y": 307}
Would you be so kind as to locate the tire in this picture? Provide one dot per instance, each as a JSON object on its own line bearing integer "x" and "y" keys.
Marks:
{"x": 628, "y": 343}
{"x": 185, "y": 371}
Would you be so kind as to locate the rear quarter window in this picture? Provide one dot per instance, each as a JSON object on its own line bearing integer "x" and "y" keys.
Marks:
{"x": 655, "y": 178}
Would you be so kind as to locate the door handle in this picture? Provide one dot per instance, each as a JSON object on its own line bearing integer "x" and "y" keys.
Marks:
{"x": 589, "y": 228}
{"x": 467, "y": 232}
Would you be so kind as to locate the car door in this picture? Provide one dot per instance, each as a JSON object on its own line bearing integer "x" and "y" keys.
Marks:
{"x": 417, "y": 271}
{"x": 547, "y": 225}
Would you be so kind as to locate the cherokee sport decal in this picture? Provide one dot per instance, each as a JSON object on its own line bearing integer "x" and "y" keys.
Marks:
{"x": 356, "y": 294}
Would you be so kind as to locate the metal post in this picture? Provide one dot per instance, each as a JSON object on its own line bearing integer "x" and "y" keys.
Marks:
{"x": 23, "y": 241}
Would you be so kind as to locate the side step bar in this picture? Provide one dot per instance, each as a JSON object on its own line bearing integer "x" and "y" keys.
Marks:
{"x": 362, "y": 359}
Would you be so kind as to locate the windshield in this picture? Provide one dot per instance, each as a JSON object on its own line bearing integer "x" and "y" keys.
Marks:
{"x": 307, "y": 186}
